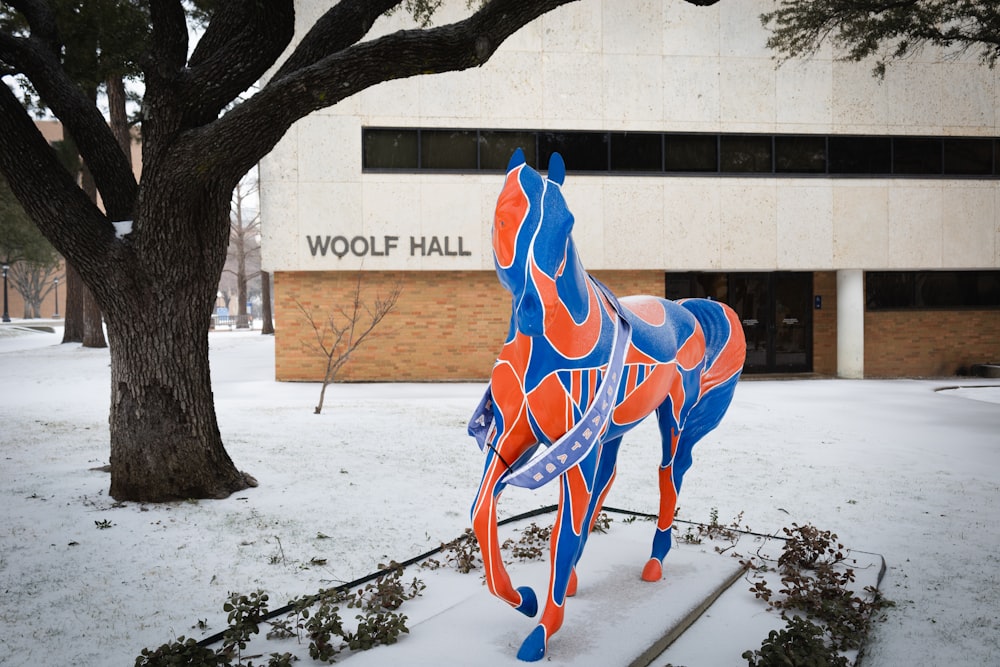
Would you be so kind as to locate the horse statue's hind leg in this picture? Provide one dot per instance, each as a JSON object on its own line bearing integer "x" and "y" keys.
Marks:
{"x": 724, "y": 355}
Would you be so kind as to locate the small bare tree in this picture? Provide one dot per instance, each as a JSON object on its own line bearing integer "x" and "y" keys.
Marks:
{"x": 243, "y": 255}
{"x": 346, "y": 328}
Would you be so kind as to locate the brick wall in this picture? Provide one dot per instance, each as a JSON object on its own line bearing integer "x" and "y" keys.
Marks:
{"x": 929, "y": 343}
{"x": 825, "y": 323}
{"x": 447, "y": 325}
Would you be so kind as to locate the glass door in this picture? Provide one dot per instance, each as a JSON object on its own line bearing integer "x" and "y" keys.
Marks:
{"x": 776, "y": 311}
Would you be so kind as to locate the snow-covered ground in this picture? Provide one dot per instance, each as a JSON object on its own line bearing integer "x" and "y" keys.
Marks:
{"x": 387, "y": 472}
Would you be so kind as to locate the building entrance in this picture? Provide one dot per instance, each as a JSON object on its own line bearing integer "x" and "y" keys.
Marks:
{"x": 775, "y": 308}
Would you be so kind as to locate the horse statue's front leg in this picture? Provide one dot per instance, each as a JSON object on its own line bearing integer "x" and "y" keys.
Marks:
{"x": 582, "y": 490}
{"x": 484, "y": 525}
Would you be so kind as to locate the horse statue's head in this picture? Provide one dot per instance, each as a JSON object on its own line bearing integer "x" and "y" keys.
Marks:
{"x": 535, "y": 256}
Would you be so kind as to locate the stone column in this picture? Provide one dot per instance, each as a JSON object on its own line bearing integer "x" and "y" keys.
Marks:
{"x": 851, "y": 323}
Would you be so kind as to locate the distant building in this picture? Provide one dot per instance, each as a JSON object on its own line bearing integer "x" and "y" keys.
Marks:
{"x": 853, "y": 223}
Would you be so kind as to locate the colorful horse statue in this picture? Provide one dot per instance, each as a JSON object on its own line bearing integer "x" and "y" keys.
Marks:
{"x": 578, "y": 370}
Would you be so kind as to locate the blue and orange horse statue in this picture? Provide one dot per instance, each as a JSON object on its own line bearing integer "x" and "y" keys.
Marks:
{"x": 578, "y": 370}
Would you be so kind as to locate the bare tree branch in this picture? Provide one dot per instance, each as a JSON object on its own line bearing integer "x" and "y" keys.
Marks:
{"x": 344, "y": 330}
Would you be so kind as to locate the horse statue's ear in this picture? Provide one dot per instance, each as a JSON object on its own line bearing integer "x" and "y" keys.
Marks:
{"x": 557, "y": 169}
{"x": 516, "y": 160}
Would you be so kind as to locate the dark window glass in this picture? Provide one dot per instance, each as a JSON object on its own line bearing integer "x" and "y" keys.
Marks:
{"x": 691, "y": 152}
{"x": 702, "y": 285}
{"x": 916, "y": 156}
{"x": 745, "y": 154}
{"x": 582, "y": 151}
{"x": 390, "y": 149}
{"x": 860, "y": 155}
{"x": 800, "y": 155}
{"x": 448, "y": 149}
{"x": 496, "y": 147}
{"x": 969, "y": 157}
{"x": 932, "y": 289}
{"x": 636, "y": 151}
{"x": 888, "y": 289}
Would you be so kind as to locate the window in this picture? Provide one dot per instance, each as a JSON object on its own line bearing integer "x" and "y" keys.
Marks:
{"x": 471, "y": 151}
{"x": 800, "y": 155}
{"x": 893, "y": 290}
{"x": 448, "y": 149}
{"x": 968, "y": 156}
{"x": 750, "y": 153}
{"x": 916, "y": 156}
{"x": 860, "y": 155}
{"x": 390, "y": 149}
{"x": 582, "y": 151}
{"x": 636, "y": 151}
{"x": 691, "y": 152}
{"x": 496, "y": 147}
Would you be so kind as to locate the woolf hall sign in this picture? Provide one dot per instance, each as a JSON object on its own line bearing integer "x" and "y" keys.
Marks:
{"x": 375, "y": 246}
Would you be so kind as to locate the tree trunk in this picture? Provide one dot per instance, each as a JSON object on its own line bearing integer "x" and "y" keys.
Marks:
{"x": 93, "y": 323}
{"x": 73, "y": 311}
{"x": 241, "y": 292}
{"x": 165, "y": 440}
{"x": 267, "y": 326}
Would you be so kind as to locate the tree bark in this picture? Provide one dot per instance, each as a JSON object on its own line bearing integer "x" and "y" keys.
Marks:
{"x": 267, "y": 326}
{"x": 165, "y": 439}
{"x": 93, "y": 322}
{"x": 73, "y": 312}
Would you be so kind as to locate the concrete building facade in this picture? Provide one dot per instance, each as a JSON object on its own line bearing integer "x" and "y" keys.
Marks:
{"x": 854, "y": 223}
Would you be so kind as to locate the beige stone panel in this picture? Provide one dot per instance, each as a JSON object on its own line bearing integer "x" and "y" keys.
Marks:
{"x": 282, "y": 163}
{"x": 633, "y": 221}
{"x": 805, "y": 226}
{"x": 749, "y": 232}
{"x": 691, "y": 91}
{"x": 804, "y": 96}
{"x": 585, "y": 199}
{"x": 859, "y": 101}
{"x": 692, "y": 218}
{"x": 915, "y": 103}
{"x": 915, "y": 225}
{"x": 449, "y": 209}
{"x": 333, "y": 151}
{"x": 512, "y": 89}
{"x": 527, "y": 39}
{"x": 860, "y": 225}
{"x": 574, "y": 28}
{"x": 278, "y": 225}
{"x": 391, "y": 102}
{"x": 634, "y": 91}
{"x": 391, "y": 207}
{"x": 741, "y": 34}
{"x": 451, "y": 95}
{"x": 634, "y": 27}
{"x": 970, "y": 225}
{"x": 573, "y": 88}
{"x": 747, "y": 99}
{"x": 488, "y": 189}
{"x": 689, "y": 30}
{"x": 967, "y": 97}
{"x": 327, "y": 209}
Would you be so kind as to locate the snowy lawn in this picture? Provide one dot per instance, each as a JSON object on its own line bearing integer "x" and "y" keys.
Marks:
{"x": 387, "y": 472}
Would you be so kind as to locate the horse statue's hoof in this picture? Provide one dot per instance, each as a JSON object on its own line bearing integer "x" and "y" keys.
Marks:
{"x": 653, "y": 571}
{"x": 529, "y": 603}
{"x": 533, "y": 648}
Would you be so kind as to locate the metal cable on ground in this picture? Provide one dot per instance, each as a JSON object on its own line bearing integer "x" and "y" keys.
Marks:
{"x": 217, "y": 637}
